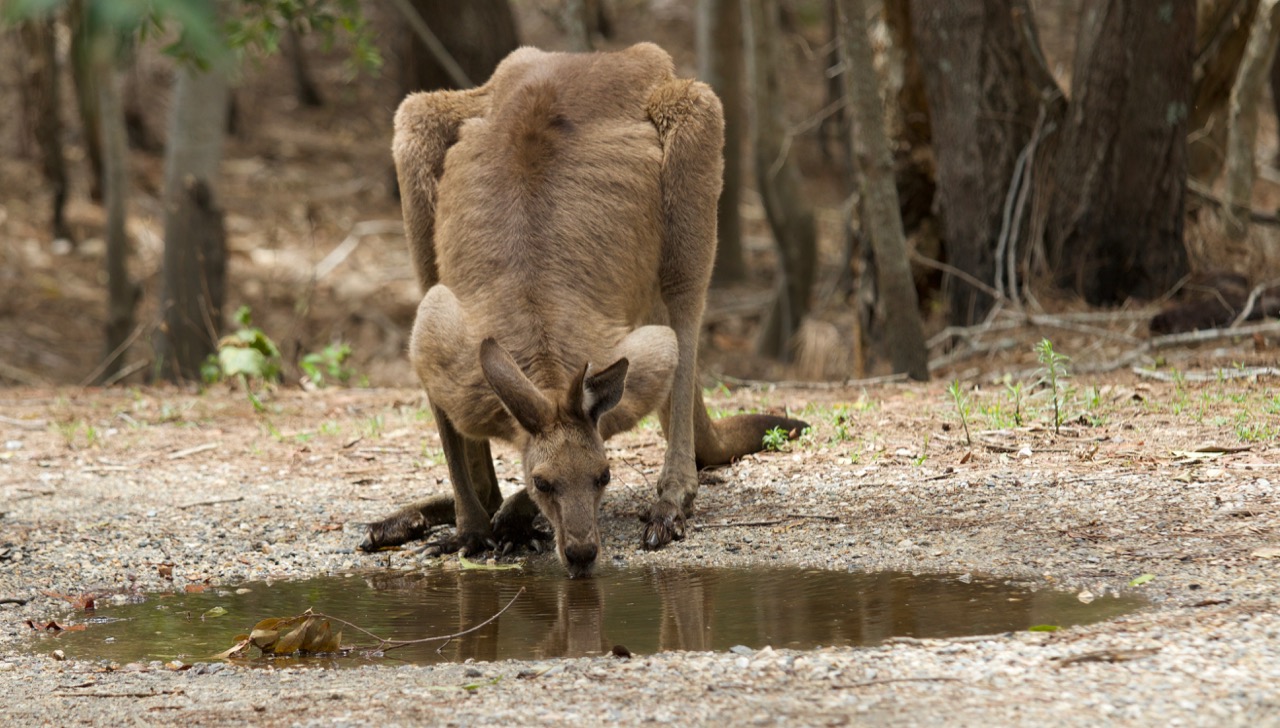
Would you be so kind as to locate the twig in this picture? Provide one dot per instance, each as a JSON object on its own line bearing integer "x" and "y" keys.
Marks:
{"x": 843, "y": 384}
{"x": 212, "y": 502}
{"x": 1242, "y": 373}
{"x": 954, "y": 271}
{"x": 102, "y": 367}
{"x": 13, "y": 600}
{"x": 359, "y": 231}
{"x": 887, "y": 680}
{"x": 24, "y": 424}
{"x": 152, "y": 694}
{"x": 772, "y": 522}
{"x": 21, "y": 376}
{"x": 1203, "y": 192}
{"x": 1253, "y": 301}
{"x": 125, "y": 371}
{"x": 192, "y": 450}
{"x": 387, "y": 645}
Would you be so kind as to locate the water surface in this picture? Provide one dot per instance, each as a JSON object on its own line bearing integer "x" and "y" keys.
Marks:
{"x": 646, "y": 609}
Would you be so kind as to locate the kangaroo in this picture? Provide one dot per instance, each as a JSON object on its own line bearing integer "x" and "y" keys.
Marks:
{"x": 562, "y": 221}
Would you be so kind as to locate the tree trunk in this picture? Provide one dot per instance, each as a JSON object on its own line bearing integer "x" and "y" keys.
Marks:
{"x": 478, "y": 34}
{"x": 719, "y": 41}
{"x": 304, "y": 85}
{"x": 1116, "y": 215}
{"x": 790, "y": 217}
{"x": 984, "y": 84}
{"x": 881, "y": 220}
{"x": 122, "y": 292}
{"x": 577, "y": 25}
{"x": 1221, "y": 33}
{"x": 1242, "y": 120}
{"x": 42, "y": 105}
{"x": 82, "y": 74}
{"x": 195, "y": 244}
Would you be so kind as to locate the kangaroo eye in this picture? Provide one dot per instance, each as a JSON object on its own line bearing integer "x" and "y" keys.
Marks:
{"x": 542, "y": 485}
{"x": 603, "y": 480}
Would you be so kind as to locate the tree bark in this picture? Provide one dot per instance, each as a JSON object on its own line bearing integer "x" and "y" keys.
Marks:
{"x": 42, "y": 105}
{"x": 881, "y": 220}
{"x": 985, "y": 84}
{"x": 82, "y": 74}
{"x": 195, "y": 244}
{"x": 790, "y": 218}
{"x": 719, "y": 41}
{"x": 478, "y": 34}
{"x": 122, "y": 292}
{"x": 304, "y": 85}
{"x": 1242, "y": 120}
{"x": 1222, "y": 30}
{"x": 1116, "y": 216}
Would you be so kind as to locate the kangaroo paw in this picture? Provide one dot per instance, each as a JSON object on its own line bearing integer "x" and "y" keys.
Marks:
{"x": 468, "y": 544}
{"x": 401, "y": 527}
{"x": 663, "y": 524}
{"x": 516, "y": 530}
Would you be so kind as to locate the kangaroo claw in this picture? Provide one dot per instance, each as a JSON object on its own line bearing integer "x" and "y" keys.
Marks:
{"x": 664, "y": 524}
{"x": 468, "y": 544}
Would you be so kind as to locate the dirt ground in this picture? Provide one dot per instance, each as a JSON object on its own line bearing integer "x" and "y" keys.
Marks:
{"x": 133, "y": 490}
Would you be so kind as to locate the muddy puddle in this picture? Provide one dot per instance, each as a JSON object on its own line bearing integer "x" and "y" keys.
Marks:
{"x": 645, "y": 609}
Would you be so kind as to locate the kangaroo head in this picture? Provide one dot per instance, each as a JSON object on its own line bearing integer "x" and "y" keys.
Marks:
{"x": 565, "y": 467}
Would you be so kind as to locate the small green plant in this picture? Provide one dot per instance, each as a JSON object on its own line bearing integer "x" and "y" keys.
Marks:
{"x": 776, "y": 440}
{"x": 246, "y": 353}
{"x": 961, "y": 400}
{"x": 924, "y": 452}
{"x": 1015, "y": 392}
{"x": 1053, "y": 374}
{"x": 327, "y": 366}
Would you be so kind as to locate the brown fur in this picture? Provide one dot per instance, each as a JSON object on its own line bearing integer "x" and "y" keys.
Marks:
{"x": 562, "y": 222}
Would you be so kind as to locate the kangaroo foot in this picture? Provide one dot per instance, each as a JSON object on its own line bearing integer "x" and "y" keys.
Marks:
{"x": 468, "y": 544}
{"x": 513, "y": 530}
{"x": 409, "y": 523}
{"x": 664, "y": 523}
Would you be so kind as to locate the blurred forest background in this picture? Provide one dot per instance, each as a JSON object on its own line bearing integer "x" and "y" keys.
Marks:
{"x": 910, "y": 186}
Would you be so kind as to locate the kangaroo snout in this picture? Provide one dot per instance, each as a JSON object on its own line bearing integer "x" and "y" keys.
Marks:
{"x": 579, "y": 558}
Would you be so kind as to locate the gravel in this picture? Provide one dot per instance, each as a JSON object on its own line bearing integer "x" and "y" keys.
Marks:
{"x": 100, "y": 492}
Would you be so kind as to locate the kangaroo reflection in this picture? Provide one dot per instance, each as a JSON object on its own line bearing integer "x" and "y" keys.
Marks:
{"x": 651, "y": 610}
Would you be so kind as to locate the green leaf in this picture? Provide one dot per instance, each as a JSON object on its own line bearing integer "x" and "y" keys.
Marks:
{"x": 467, "y": 564}
{"x": 1139, "y": 581}
{"x": 242, "y": 360}
{"x": 1044, "y": 628}
{"x": 214, "y": 612}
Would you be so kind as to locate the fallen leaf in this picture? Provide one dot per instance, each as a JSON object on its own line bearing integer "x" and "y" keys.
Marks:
{"x": 1267, "y": 552}
{"x": 468, "y": 564}
{"x": 1143, "y": 579}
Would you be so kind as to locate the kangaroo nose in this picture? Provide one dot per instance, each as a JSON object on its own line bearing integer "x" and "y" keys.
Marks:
{"x": 580, "y": 554}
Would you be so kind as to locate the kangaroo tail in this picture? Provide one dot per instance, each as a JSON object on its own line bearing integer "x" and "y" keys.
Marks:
{"x": 720, "y": 442}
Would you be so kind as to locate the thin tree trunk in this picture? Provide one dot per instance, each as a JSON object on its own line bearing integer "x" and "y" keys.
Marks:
{"x": 790, "y": 217}
{"x": 577, "y": 24}
{"x": 985, "y": 85}
{"x": 1242, "y": 124}
{"x": 304, "y": 85}
{"x": 1222, "y": 30}
{"x": 719, "y": 41}
{"x": 82, "y": 74}
{"x": 43, "y": 106}
{"x": 195, "y": 244}
{"x": 881, "y": 219}
{"x": 122, "y": 293}
{"x": 476, "y": 35}
{"x": 1116, "y": 216}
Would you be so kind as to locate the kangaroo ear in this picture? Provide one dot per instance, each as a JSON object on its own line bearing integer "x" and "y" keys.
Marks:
{"x": 520, "y": 396}
{"x": 603, "y": 390}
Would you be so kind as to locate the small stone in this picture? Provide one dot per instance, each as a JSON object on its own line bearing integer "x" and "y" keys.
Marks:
{"x": 742, "y": 650}
{"x": 473, "y": 672}
{"x": 58, "y": 655}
